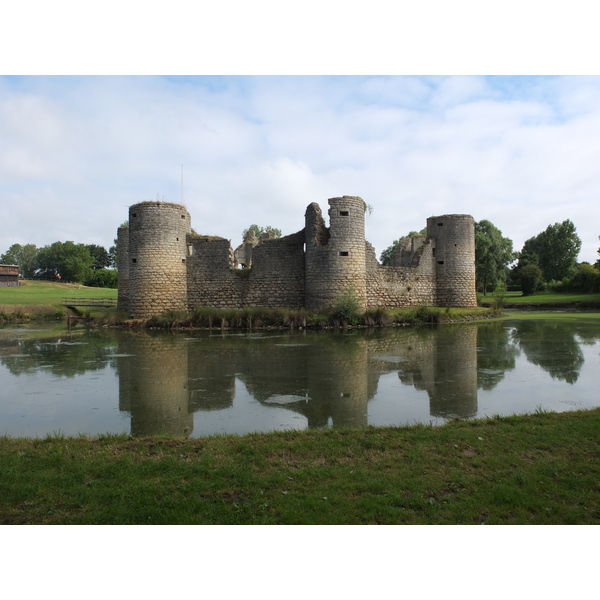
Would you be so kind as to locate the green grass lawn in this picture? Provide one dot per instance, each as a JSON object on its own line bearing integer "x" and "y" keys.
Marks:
{"x": 545, "y": 297}
{"x": 50, "y": 293}
{"x": 586, "y": 316}
{"x": 535, "y": 469}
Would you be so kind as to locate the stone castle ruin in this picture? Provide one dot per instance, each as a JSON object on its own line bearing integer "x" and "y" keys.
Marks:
{"x": 165, "y": 265}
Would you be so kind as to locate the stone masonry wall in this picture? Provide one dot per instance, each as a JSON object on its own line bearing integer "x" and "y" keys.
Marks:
{"x": 391, "y": 287}
{"x": 163, "y": 266}
{"x": 211, "y": 278}
{"x": 277, "y": 275}
{"x": 275, "y": 280}
{"x": 123, "y": 268}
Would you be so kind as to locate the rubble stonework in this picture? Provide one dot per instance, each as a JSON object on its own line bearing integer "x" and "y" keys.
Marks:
{"x": 164, "y": 265}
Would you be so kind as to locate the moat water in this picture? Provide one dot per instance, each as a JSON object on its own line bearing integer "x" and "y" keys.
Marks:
{"x": 210, "y": 383}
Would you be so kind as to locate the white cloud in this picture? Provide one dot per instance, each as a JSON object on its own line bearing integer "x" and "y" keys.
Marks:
{"x": 76, "y": 152}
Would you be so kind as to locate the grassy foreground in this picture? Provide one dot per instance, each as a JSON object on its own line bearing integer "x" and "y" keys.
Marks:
{"x": 536, "y": 469}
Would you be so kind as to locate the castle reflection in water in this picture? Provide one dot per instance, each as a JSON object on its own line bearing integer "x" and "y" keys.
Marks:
{"x": 168, "y": 378}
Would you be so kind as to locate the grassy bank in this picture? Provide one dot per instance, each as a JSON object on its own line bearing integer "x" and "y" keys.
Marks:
{"x": 50, "y": 293}
{"x": 42, "y": 299}
{"x": 537, "y": 469}
{"x": 260, "y": 317}
{"x": 543, "y": 300}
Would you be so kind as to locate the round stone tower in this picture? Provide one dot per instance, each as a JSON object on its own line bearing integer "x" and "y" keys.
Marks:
{"x": 454, "y": 257}
{"x": 335, "y": 257}
{"x": 157, "y": 258}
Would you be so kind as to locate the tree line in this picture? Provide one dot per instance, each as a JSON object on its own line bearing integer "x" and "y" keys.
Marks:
{"x": 547, "y": 261}
{"x": 88, "y": 264}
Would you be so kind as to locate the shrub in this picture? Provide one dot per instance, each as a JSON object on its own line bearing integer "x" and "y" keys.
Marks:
{"x": 532, "y": 279}
{"x": 106, "y": 278}
{"x": 206, "y": 316}
{"x": 586, "y": 280}
{"x": 377, "y": 316}
{"x": 346, "y": 308}
{"x": 243, "y": 273}
{"x": 499, "y": 296}
{"x": 426, "y": 314}
{"x": 169, "y": 318}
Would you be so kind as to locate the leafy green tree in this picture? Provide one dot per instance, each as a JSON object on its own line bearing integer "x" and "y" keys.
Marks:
{"x": 65, "y": 260}
{"x": 554, "y": 250}
{"x": 386, "y": 256}
{"x": 258, "y": 231}
{"x": 24, "y": 256}
{"x": 100, "y": 256}
{"x": 532, "y": 279}
{"x": 493, "y": 254}
{"x": 586, "y": 280}
{"x": 597, "y": 263}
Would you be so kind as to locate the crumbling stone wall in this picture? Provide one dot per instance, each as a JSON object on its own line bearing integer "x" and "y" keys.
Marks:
{"x": 167, "y": 267}
{"x": 278, "y": 273}
{"x": 275, "y": 280}
{"x": 391, "y": 287}
{"x": 211, "y": 277}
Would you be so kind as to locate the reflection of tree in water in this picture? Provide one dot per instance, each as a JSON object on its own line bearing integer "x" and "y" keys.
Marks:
{"x": 551, "y": 346}
{"x": 66, "y": 357}
{"x": 588, "y": 335}
{"x": 496, "y": 354}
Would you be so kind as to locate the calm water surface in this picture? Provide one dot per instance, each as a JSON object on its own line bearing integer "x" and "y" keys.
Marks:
{"x": 203, "y": 383}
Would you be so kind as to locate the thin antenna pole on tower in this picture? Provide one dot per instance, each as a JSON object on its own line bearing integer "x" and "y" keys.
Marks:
{"x": 182, "y": 184}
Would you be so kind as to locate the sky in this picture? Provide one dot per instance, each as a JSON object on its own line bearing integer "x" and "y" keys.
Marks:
{"x": 77, "y": 151}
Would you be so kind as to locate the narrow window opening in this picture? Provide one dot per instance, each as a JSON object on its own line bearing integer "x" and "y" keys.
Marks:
{"x": 344, "y": 253}
{"x": 183, "y": 216}
{"x": 440, "y": 262}
{"x": 134, "y": 215}
{"x": 183, "y": 260}
{"x": 134, "y": 260}
{"x": 344, "y": 213}
{"x": 440, "y": 224}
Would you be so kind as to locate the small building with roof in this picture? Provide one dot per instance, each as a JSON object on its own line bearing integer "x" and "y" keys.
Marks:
{"x": 9, "y": 275}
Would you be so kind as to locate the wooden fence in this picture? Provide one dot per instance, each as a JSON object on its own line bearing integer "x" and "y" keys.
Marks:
{"x": 90, "y": 302}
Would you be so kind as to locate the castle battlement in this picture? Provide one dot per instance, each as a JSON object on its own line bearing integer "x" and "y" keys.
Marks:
{"x": 164, "y": 265}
